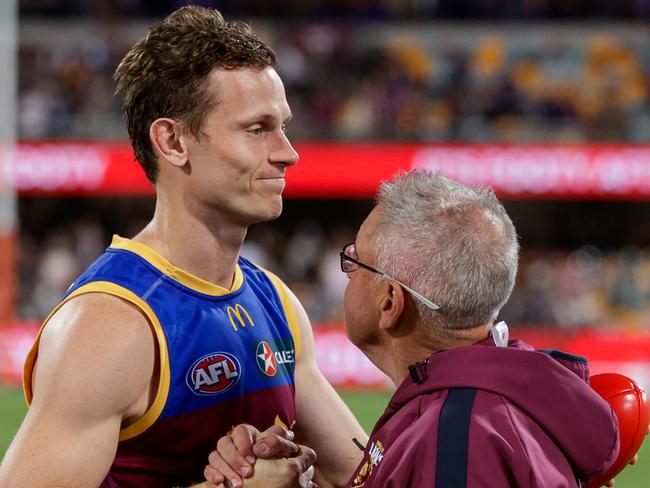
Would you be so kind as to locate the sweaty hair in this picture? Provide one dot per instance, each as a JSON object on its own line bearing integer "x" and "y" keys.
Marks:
{"x": 163, "y": 75}
{"x": 454, "y": 244}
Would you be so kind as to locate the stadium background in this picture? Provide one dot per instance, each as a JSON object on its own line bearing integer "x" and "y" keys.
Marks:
{"x": 546, "y": 101}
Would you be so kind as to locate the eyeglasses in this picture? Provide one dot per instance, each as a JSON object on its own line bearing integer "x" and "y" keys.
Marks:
{"x": 350, "y": 263}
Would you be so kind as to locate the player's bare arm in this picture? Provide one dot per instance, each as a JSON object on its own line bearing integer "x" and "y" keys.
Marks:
{"x": 92, "y": 376}
{"x": 323, "y": 421}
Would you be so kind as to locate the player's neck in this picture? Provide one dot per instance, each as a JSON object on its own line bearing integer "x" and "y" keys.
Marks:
{"x": 202, "y": 247}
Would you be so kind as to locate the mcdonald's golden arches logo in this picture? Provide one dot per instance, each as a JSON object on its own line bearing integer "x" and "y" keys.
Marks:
{"x": 239, "y": 315}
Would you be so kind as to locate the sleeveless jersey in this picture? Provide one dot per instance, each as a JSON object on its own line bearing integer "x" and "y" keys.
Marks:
{"x": 225, "y": 357}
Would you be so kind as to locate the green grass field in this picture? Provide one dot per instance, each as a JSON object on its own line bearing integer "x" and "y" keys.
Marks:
{"x": 366, "y": 406}
{"x": 12, "y": 411}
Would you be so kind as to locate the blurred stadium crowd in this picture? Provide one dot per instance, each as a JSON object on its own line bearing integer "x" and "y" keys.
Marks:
{"x": 362, "y": 78}
{"x": 378, "y": 81}
{"x": 584, "y": 287}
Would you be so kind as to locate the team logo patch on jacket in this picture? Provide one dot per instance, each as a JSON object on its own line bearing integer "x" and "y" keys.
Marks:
{"x": 213, "y": 374}
{"x": 275, "y": 356}
{"x": 373, "y": 458}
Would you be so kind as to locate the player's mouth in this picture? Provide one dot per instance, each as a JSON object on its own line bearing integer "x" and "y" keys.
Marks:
{"x": 275, "y": 184}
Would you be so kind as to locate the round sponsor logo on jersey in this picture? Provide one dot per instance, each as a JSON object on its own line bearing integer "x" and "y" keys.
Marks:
{"x": 213, "y": 374}
{"x": 266, "y": 359}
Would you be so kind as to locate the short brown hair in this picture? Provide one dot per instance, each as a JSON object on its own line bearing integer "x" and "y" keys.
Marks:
{"x": 163, "y": 74}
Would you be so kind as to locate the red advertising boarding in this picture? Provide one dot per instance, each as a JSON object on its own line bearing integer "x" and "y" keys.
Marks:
{"x": 337, "y": 170}
{"x": 345, "y": 366}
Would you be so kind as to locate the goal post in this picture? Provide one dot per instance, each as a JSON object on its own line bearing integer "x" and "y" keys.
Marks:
{"x": 8, "y": 207}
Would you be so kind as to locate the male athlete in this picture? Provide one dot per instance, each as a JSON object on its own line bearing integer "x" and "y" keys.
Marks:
{"x": 171, "y": 338}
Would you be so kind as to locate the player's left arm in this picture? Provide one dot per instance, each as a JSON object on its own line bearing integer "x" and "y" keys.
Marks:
{"x": 323, "y": 421}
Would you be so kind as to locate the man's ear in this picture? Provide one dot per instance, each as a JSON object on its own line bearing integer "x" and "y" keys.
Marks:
{"x": 391, "y": 306}
{"x": 168, "y": 141}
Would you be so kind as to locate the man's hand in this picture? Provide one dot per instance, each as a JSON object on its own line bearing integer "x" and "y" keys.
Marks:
{"x": 236, "y": 454}
{"x": 284, "y": 472}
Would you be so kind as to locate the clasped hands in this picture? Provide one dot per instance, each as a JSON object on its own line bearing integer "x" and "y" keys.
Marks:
{"x": 250, "y": 458}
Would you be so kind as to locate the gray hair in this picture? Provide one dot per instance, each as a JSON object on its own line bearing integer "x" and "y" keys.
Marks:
{"x": 453, "y": 244}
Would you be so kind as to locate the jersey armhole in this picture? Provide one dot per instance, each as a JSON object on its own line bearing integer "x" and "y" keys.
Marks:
{"x": 156, "y": 408}
{"x": 289, "y": 308}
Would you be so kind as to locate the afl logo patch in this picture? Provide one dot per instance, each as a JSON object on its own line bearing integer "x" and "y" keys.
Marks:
{"x": 266, "y": 359}
{"x": 213, "y": 374}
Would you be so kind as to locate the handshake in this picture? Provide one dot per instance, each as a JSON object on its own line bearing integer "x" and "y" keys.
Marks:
{"x": 250, "y": 458}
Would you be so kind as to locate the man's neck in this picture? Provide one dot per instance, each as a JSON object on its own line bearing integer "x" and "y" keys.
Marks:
{"x": 395, "y": 356}
{"x": 205, "y": 248}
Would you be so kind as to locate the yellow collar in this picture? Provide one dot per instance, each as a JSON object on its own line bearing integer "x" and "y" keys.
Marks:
{"x": 183, "y": 277}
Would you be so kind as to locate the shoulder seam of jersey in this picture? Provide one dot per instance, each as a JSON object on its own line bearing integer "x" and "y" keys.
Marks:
{"x": 164, "y": 380}
{"x": 288, "y": 307}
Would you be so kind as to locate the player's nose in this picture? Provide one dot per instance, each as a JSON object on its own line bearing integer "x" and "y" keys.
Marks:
{"x": 282, "y": 151}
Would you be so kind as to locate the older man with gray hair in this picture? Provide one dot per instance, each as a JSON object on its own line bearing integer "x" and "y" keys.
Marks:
{"x": 429, "y": 271}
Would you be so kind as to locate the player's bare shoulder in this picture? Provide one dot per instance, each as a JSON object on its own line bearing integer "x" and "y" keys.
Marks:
{"x": 96, "y": 346}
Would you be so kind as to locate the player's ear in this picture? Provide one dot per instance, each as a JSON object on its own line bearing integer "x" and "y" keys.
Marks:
{"x": 391, "y": 306}
{"x": 168, "y": 141}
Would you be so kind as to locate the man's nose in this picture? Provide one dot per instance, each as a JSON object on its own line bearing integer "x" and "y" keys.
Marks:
{"x": 283, "y": 152}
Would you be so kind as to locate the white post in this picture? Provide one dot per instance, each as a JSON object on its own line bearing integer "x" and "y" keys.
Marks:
{"x": 8, "y": 103}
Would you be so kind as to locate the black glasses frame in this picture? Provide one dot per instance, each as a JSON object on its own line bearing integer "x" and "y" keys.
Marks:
{"x": 346, "y": 257}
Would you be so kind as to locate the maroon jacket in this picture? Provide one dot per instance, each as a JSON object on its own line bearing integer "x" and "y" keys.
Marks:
{"x": 483, "y": 416}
